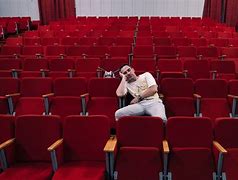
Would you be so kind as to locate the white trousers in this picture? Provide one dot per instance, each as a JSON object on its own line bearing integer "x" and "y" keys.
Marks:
{"x": 152, "y": 107}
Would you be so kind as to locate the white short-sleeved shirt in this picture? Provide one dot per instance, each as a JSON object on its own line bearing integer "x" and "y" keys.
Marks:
{"x": 143, "y": 82}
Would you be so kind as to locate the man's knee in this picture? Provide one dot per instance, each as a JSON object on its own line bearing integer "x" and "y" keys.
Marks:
{"x": 118, "y": 114}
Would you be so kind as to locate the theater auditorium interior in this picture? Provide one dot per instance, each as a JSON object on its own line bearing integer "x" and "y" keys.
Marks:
{"x": 59, "y": 72}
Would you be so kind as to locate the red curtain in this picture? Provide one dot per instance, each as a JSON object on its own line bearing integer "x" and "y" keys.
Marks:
{"x": 232, "y": 12}
{"x": 51, "y": 10}
{"x": 212, "y": 9}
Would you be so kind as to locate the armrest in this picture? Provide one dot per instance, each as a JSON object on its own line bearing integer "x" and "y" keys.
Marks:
{"x": 13, "y": 95}
{"x": 38, "y": 55}
{"x": 185, "y": 72}
{"x": 222, "y": 57}
{"x": 221, "y": 151}
{"x": 62, "y": 56}
{"x": 55, "y": 145}
{"x": 157, "y": 71}
{"x": 122, "y": 101}
{"x": 84, "y": 98}
{"x": 199, "y": 56}
{"x": 219, "y": 147}
{"x": 214, "y": 74}
{"x": 110, "y": 149}
{"x": 71, "y": 72}
{"x": 46, "y": 102}
{"x": 166, "y": 147}
{"x": 165, "y": 157}
{"x": 11, "y": 98}
{"x": 3, "y": 146}
{"x": 234, "y": 100}
{"x": 7, "y": 143}
{"x": 43, "y": 72}
{"x": 110, "y": 145}
{"x": 161, "y": 96}
{"x": 198, "y": 100}
{"x": 48, "y": 95}
{"x": 52, "y": 150}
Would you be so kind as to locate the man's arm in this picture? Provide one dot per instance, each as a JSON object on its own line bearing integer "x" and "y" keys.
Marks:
{"x": 121, "y": 90}
{"x": 148, "y": 92}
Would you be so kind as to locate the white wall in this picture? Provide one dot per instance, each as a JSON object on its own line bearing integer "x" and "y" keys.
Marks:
{"x": 110, "y": 8}
{"x": 139, "y": 7}
{"x": 19, "y": 8}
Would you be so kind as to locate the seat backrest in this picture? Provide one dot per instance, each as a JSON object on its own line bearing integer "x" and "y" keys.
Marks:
{"x": 189, "y": 132}
{"x": 70, "y": 86}
{"x": 7, "y": 130}
{"x": 34, "y": 134}
{"x": 9, "y": 86}
{"x": 145, "y": 131}
{"x": 233, "y": 87}
{"x": 223, "y": 66}
{"x": 225, "y": 131}
{"x": 170, "y": 65}
{"x": 35, "y": 64}
{"x": 85, "y": 137}
{"x": 177, "y": 87}
{"x": 197, "y": 69}
{"x": 8, "y": 64}
{"x": 61, "y": 65}
{"x": 103, "y": 87}
{"x": 209, "y": 88}
{"x": 35, "y": 86}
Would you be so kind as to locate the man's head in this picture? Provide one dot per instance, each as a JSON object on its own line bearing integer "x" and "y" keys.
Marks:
{"x": 128, "y": 72}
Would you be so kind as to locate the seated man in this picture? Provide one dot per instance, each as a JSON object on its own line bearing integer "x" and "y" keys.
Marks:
{"x": 143, "y": 88}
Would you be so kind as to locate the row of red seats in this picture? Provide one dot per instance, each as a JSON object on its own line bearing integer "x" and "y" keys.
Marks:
{"x": 47, "y": 96}
{"x": 95, "y": 67}
{"x": 14, "y": 25}
{"x": 122, "y": 51}
{"x": 211, "y": 97}
{"x": 117, "y": 41}
{"x": 190, "y": 148}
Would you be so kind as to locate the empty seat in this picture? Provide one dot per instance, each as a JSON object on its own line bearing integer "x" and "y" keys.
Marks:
{"x": 30, "y": 159}
{"x": 7, "y": 86}
{"x": 191, "y": 156}
{"x": 224, "y": 69}
{"x": 99, "y": 94}
{"x": 197, "y": 69}
{"x": 213, "y": 98}
{"x": 80, "y": 158}
{"x": 138, "y": 154}
{"x": 224, "y": 131}
{"x": 178, "y": 96}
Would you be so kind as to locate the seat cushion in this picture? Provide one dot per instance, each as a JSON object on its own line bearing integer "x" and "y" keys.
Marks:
{"x": 28, "y": 171}
{"x": 191, "y": 163}
{"x": 138, "y": 163}
{"x": 231, "y": 163}
{"x": 81, "y": 170}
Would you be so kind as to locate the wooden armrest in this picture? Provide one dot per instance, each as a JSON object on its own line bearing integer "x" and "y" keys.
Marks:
{"x": 6, "y": 143}
{"x": 111, "y": 144}
{"x": 44, "y": 70}
{"x": 165, "y": 146}
{"x": 12, "y": 95}
{"x": 16, "y": 70}
{"x": 232, "y": 96}
{"x": 197, "y": 96}
{"x": 48, "y": 95}
{"x": 55, "y": 145}
{"x": 161, "y": 96}
{"x": 84, "y": 95}
{"x": 219, "y": 147}
{"x": 213, "y": 71}
{"x": 71, "y": 70}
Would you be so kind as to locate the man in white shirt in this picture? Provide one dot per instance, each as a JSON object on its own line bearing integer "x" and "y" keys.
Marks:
{"x": 143, "y": 88}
